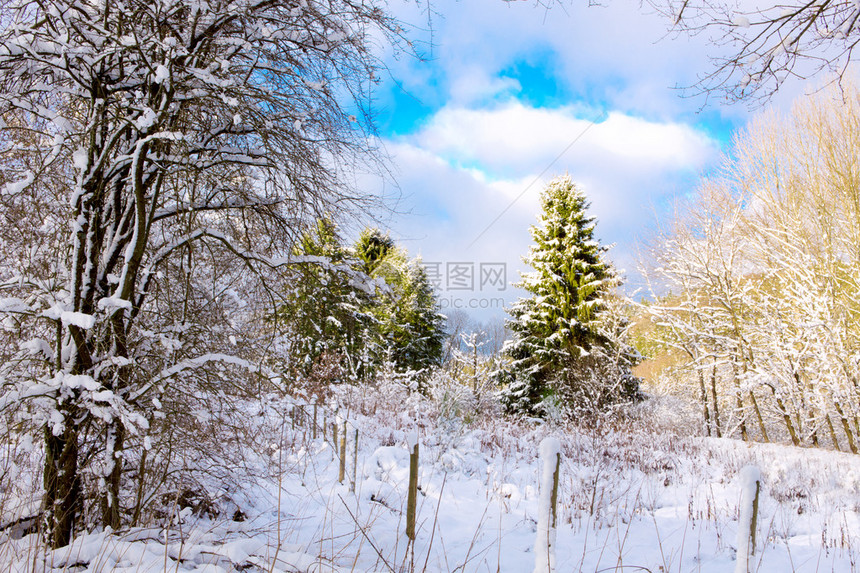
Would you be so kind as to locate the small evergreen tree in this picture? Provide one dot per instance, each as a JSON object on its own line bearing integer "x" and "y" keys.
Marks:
{"x": 417, "y": 331}
{"x": 561, "y": 346}
{"x": 406, "y": 309}
{"x": 327, "y": 312}
{"x": 358, "y": 309}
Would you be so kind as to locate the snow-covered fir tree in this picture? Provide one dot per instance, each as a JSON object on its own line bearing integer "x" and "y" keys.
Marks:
{"x": 417, "y": 329}
{"x": 562, "y": 349}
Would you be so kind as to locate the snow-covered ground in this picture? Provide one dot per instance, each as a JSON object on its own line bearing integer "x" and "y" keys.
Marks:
{"x": 630, "y": 499}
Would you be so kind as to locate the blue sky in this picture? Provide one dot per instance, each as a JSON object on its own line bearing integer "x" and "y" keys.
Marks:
{"x": 507, "y": 96}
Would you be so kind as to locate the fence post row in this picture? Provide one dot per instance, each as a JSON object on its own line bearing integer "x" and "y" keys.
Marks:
{"x": 299, "y": 416}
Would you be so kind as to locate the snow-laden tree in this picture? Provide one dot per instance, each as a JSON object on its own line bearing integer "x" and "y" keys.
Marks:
{"x": 415, "y": 329}
{"x": 759, "y": 46}
{"x": 559, "y": 340}
{"x": 358, "y": 309}
{"x": 763, "y": 271}
{"x": 139, "y": 139}
{"x": 372, "y": 248}
{"x": 756, "y": 47}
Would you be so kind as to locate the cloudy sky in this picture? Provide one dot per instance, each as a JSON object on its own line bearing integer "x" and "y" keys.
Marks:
{"x": 509, "y": 95}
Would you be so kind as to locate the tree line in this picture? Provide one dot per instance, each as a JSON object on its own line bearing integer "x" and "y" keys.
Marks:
{"x": 757, "y": 281}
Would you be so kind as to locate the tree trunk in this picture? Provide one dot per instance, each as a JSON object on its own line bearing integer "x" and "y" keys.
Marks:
{"x": 62, "y": 487}
{"x": 758, "y": 416}
{"x": 141, "y": 482}
{"x": 832, "y": 431}
{"x": 846, "y": 427}
{"x": 792, "y": 432}
{"x": 740, "y": 403}
{"x": 116, "y": 439}
{"x": 707, "y": 412}
{"x": 714, "y": 398}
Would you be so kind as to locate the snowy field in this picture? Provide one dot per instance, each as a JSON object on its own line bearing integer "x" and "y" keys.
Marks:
{"x": 629, "y": 500}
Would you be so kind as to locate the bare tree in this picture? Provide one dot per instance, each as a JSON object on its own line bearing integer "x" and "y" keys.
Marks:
{"x": 766, "y": 45}
{"x": 144, "y": 142}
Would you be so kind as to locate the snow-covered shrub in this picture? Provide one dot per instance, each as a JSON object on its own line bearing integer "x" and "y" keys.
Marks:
{"x": 454, "y": 402}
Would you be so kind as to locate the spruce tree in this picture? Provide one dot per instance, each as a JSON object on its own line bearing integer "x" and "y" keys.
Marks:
{"x": 560, "y": 347}
{"x": 372, "y": 247}
{"x": 416, "y": 331}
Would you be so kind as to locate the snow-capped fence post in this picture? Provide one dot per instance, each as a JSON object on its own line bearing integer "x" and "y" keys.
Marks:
{"x": 354, "y": 463}
{"x": 751, "y": 485}
{"x": 412, "y": 497}
{"x": 341, "y": 472}
{"x": 550, "y": 453}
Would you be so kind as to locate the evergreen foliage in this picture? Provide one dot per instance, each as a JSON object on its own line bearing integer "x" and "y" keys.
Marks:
{"x": 372, "y": 247}
{"x": 361, "y": 307}
{"x": 407, "y": 312}
{"x": 562, "y": 346}
{"x": 328, "y": 309}
{"x": 414, "y": 330}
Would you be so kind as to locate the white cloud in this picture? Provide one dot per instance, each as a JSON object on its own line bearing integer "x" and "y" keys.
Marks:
{"x": 613, "y": 54}
{"x": 486, "y": 142}
{"x": 515, "y": 138}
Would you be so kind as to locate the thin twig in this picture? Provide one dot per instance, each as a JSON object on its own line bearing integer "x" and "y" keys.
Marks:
{"x": 364, "y": 533}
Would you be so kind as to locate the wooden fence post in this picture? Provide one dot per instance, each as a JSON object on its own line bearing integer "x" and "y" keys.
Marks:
{"x": 334, "y": 435}
{"x": 748, "y": 523}
{"x": 314, "y": 431}
{"x": 412, "y": 497}
{"x": 354, "y": 463}
{"x": 342, "y": 468}
{"x": 550, "y": 454}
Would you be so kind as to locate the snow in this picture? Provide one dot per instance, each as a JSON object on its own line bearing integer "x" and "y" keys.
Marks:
{"x": 161, "y": 74}
{"x": 146, "y": 119}
{"x": 15, "y": 187}
{"x": 14, "y": 305}
{"x": 79, "y": 319}
{"x": 741, "y": 21}
{"x": 114, "y": 302}
{"x": 80, "y": 381}
{"x": 80, "y": 159}
{"x": 631, "y": 499}
{"x": 412, "y": 439}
